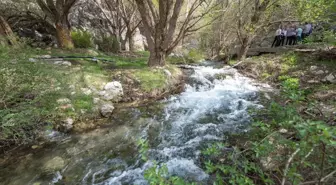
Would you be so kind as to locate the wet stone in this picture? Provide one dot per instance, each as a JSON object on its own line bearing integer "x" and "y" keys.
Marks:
{"x": 57, "y": 163}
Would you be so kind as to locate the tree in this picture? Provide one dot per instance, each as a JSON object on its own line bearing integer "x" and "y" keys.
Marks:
{"x": 257, "y": 16}
{"x": 6, "y": 31}
{"x": 317, "y": 10}
{"x": 58, "y": 12}
{"x": 128, "y": 12}
{"x": 164, "y": 28}
{"x": 122, "y": 18}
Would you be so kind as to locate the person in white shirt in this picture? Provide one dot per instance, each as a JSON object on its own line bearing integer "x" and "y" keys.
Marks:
{"x": 283, "y": 35}
{"x": 276, "y": 41}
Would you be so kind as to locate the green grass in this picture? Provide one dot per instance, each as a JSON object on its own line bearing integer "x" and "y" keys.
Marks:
{"x": 177, "y": 60}
{"x": 30, "y": 90}
{"x": 150, "y": 79}
{"x": 82, "y": 102}
{"x": 232, "y": 62}
{"x": 29, "y": 93}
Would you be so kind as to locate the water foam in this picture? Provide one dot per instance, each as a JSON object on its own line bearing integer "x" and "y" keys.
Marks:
{"x": 208, "y": 107}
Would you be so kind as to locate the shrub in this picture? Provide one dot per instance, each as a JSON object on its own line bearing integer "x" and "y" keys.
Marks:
{"x": 329, "y": 37}
{"x": 108, "y": 44}
{"x": 81, "y": 38}
{"x": 194, "y": 56}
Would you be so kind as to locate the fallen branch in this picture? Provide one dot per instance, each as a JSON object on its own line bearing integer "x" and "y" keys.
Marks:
{"x": 309, "y": 153}
{"x": 328, "y": 176}
{"x": 236, "y": 65}
{"x": 287, "y": 166}
{"x": 324, "y": 179}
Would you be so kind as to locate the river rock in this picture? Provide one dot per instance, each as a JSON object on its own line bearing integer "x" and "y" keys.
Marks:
{"x": 167, "y": 72}
{"x": 313, "y": 68}
{"x": 86, "y": 91}
{"x": 112, "y": 91}
{"x": 63, "y": 101}
{"x": 96, "y": 100}
{"x": 106, "y": 109}
{"x": 44, "y": 57}
{"x": 319, "y": 72}
{"x": 55, "y": 164}
{"x": 32, "y": 60}
{"x": 313, "y": 81}
{"x": 330, "y": 78}
{"x": 64, "y": 63}
{"x": 67, "y": 124}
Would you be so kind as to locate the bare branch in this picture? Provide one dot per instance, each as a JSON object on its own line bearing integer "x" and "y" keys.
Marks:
{"x": 287, "y": 166}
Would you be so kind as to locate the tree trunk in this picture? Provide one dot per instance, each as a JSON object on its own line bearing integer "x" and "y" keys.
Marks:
{"x": 131, "y": 44}
{"x": 157, "y": 58}
{"x": 6, "y": 31}
{"x": 123, "y": 44}
{"x": 244, "y": 48}
{"x": 130, "y": 39}
{"x": 63, "y": 35}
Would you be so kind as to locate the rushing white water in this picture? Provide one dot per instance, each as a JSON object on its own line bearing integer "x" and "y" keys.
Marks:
{"x": 214, "y": 103}
{"x": 202, "y": 114}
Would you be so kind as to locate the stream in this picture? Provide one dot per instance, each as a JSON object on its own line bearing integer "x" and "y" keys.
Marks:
{"x": 215, "y": 102}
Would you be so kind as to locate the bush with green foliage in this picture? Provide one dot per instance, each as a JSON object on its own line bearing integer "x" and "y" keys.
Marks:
{"x": 81, "y": 38}
{"x": 194, "y": 56}
{"x": 108, "y": 44}
{"x": 329, "y": 37}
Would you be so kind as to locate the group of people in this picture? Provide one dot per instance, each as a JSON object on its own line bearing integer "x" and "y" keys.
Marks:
{"x": 291, "y": 34}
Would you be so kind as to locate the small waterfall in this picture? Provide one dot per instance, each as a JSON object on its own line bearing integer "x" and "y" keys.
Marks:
{"x": 209, "y": 107}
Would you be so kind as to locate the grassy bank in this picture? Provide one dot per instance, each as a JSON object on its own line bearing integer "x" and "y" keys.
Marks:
{"x": 38, "y": 95}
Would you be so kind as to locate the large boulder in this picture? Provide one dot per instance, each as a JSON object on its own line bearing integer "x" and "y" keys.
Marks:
{"x": 113, "y": 91}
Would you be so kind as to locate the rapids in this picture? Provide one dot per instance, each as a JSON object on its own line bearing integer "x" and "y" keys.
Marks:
{"x": 215, "y": 102}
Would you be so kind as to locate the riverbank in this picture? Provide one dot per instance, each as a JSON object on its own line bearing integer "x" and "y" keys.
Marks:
{"x": 216, "y": 129}
{"x": 292, "y": 139}
{"x": 214, "y": 102}
{"x": 313, "y": 66}
{"x": 42, "y": 92}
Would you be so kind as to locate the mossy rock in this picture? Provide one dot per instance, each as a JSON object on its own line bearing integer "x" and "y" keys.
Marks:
{"x": 55, "y": 164}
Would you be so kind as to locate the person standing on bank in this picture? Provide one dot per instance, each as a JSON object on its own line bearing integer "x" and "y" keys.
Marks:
{"x": 277, "y": 37}
{"x": 299, "y": 34}
{"x": 291, "y": 35}
{"x": 307, "y": 30}
{"x": 283, "y": 36}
